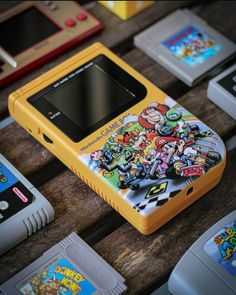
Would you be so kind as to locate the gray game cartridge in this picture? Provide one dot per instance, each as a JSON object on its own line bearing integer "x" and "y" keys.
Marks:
{"x": 23, "y": 209}
{"x": 209, "y": 265}
{"x": 184, "y": 44}
{"x": 70, "y": 267}
{"x": 222, "y": 91}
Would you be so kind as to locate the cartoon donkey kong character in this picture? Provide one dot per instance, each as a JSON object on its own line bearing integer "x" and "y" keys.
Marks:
{"x": 152, "y": 117}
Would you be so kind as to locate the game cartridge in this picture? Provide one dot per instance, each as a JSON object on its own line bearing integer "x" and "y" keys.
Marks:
{"x": 23, "y": 209}
{"x": 222, "y": 91}
{"x": 70, "y": 267}
{"x": 209, "y": 265}
{"x": 185, "y": 45}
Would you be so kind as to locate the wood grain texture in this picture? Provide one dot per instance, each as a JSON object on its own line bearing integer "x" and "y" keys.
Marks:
{"x": 22, "y": 150}
{"x": 115, "y": 34}
{"x": 149, "y": 68}
{"x": 145, "y": 260}
{"x": 196, "y": 101}
{"x": 220, "y": 15}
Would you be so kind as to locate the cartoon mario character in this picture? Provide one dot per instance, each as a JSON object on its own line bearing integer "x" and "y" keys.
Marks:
{"x": 152, "y": 117}
{"x": 171, "y": 146}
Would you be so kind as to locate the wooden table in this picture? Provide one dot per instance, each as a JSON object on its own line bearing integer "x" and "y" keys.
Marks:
{"x": 145, "y": 261}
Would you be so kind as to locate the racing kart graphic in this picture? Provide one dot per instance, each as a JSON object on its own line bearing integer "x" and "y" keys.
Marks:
{"x": 162, "y": 143}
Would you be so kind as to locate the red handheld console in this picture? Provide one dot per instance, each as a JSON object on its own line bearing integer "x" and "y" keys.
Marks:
{"x": 33, "y": 32}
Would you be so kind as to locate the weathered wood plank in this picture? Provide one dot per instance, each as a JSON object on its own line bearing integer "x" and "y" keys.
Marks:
{"x": 145, "y": 260}
{"x": 196, "y": 101}
{"x": 22, "y": 150}
{"x": 114, "y": 35}
{"x": 149, "y": 68}
{"x": 220, "y": 15}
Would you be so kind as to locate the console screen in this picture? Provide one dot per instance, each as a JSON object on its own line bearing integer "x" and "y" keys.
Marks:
{"x": 88, "y": 97}
{"x": 24, "y": 30}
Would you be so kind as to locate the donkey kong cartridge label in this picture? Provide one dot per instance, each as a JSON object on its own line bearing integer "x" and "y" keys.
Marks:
{"x": 56, "y": 277}
{"x": 222, "y": 248}
{"x": 154, "y": 154}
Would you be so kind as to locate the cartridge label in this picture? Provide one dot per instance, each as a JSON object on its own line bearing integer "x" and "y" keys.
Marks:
{"x": 192, "y": 46}
{"x": 222, "y": 248}
{"x": 56, "y": 277}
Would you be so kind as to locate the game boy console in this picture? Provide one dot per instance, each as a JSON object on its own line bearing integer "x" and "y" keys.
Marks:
{"x": 142, "y": 152}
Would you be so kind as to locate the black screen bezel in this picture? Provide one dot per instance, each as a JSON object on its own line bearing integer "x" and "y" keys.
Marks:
{"x": 66, "y": 125}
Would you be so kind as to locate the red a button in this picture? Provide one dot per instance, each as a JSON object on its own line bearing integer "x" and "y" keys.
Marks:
{"x": 81, "y": 16}
{"x": 70, "y": 22}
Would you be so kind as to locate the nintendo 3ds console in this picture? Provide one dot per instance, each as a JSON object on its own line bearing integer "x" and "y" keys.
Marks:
{"x": 209, "y": 265}
{"x": 23, "y": 209}
{"x": 222, "y": 91}
{"x": 142, "y": 152}
{"x": 33, "y": 32}
{"x": 186, "y": 45}
{"x": 69, "y": 267}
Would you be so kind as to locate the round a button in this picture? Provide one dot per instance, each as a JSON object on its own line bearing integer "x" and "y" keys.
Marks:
{"x": 70, "y": 22}
{"x": 81, "y": 16}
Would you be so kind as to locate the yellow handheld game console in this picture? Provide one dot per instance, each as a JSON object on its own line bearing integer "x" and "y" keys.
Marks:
{"x": 137, "y": 148}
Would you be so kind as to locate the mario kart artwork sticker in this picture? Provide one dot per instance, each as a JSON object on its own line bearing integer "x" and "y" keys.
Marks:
{"x": 155, "y": 155}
